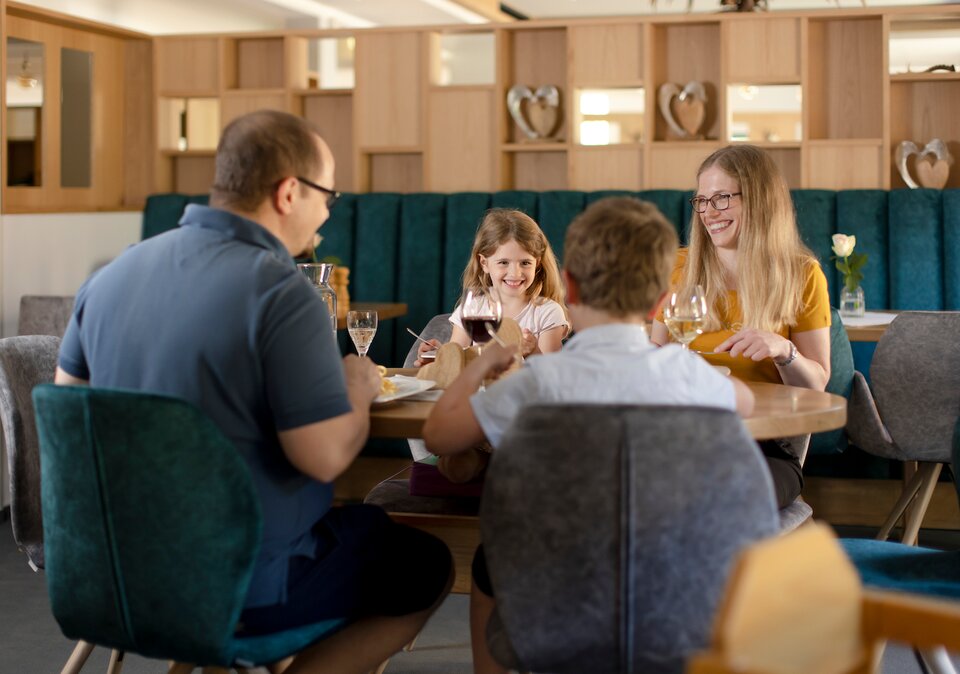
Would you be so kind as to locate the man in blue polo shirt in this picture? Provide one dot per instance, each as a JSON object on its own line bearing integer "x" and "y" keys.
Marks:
{"x": 216, "y": 313}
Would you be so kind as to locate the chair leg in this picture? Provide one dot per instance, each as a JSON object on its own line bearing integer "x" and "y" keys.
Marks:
{"x": 180, "y": 668}
{"x": 413, "y": 642}
{"x": 116, "y": 662}
{"x": 78, "y": 658}
{"x": 937, "y": 660}
{"x": 280, "y": 666}
{"x": 383, "y": 666}
{"x": 909, "y": 491}
{"x": 928, "y": 472}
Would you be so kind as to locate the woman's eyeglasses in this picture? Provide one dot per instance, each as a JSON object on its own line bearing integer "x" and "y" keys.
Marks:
{"x": 720, "y": 202}
{"x": 332, "y": 195}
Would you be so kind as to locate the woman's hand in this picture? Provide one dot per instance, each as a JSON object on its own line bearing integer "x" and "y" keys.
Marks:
{"x": 432, "y": 344}
{"x": 756, "y": 345}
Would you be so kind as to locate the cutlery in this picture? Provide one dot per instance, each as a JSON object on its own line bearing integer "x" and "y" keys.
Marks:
{"x": 495, "y": 337}
{"x": 418, "y": 336}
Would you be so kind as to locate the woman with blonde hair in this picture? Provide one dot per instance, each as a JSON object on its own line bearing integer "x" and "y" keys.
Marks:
{"x": 768, "y": 313}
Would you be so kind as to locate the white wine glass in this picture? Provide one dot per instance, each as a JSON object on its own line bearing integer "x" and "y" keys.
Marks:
{"x": 362, "y": 326}
{"x": 685, "y": 313}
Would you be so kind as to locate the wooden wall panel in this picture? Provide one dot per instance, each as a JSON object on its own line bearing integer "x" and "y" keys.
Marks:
{"x": 139, "y": 138}
{"x": 188, "y": 65}
{"x": 260, "y": 63}
{"x": 602, "y": 55}
{"x": 921, "y": 111}
{"x": 845, "y": 166}
{"x": 193, "y": 175}
{"x": 674, "y": 167}
{"x": 389, "y": 92}
{"x": 686, "y": 53}
{"x": 461, "y": 141}
{"x": 540, "y": 58}
{"x": 333, "y": 115}
{"x": 396, "y": 173}
{"x": 540, "y": 171}
{"x": 759, "y": 51}
{"x": 606, "y": 168}
{"x": 237, "y": 104}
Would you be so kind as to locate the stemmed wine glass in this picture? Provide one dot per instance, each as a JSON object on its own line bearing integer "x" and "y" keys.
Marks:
{"x": 362, "y": 326}
{"x": 685, "y": 313}
{"x": 479, "y": 310}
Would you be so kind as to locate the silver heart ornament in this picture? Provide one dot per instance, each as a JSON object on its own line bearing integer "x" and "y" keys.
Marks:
{"x": 665, "y": 96}
{"x": 935, "y": 147}
{"x": 546, "y": 94}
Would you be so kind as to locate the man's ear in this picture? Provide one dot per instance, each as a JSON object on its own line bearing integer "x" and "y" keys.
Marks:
{"x": 284, "y": 195}
{"x": 573, "y": 288}
{"x": 656, "y": 306}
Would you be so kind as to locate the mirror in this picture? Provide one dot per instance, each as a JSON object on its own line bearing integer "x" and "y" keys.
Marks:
{"x": 610, "y": 116}
{"x": 24, "y": 91}
{"x": 76, "y": 117}
{"x": 764, "y": 113}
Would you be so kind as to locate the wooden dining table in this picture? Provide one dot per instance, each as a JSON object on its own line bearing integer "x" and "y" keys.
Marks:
{"x": 779, "y": 412}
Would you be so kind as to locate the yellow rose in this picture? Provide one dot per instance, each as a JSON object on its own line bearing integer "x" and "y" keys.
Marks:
{"x": 843, "y": 244}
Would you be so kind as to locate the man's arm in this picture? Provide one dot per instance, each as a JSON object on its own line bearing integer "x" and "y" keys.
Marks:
{"x": 452, "y": 426}
{"x": 324, "y": 449}
{"x": 63, "y": 378}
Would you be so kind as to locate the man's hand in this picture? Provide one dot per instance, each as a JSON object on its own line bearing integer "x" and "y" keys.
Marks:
{"x": 363, "y": 378}
{"x": 493, "y": 360}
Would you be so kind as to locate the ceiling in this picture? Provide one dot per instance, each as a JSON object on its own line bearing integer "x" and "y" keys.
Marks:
{"x": 195, "y": 16}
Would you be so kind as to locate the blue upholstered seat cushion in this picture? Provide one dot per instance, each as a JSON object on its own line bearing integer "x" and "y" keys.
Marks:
{"x": 269, "y": 648}
{"x": 894, "y": 566}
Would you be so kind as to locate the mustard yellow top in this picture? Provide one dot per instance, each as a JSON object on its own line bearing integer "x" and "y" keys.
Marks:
{"x": 814, "y": 314}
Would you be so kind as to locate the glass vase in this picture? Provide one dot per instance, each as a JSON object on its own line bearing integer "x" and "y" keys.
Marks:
{"x": 319, "y": 275}
{"x": 852, "y": 303}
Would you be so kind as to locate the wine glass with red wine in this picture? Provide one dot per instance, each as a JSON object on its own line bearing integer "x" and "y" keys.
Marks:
{"x": 479, "y": 309}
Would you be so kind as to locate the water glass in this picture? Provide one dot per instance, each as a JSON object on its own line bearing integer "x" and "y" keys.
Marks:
{"x": 362, "y": 326}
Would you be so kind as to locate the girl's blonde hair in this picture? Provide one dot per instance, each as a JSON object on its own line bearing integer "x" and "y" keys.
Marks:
{"x": 500, "y": 226}
{"x": 772, "y": 261}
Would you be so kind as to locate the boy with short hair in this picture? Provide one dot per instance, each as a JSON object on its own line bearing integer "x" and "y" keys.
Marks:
{"x": 618, "y": 257}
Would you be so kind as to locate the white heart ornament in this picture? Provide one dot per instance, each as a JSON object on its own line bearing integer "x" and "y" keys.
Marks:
{"x": 932, "y": 175}
{"x": 542, "y": 111}
{"x": 690, "y": 107}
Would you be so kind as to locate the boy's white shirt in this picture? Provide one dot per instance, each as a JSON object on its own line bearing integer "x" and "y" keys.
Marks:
{"x": 611, "y": 363}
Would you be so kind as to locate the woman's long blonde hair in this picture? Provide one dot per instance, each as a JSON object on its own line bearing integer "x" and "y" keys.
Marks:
{"x": 499, "y": 226}
{"x": 772, "y": 261}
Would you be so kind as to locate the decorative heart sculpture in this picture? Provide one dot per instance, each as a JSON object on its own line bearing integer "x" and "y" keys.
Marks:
{"x": 931, "y": 173}
{"x": 542, "y": 113}
{"x": 687, "y": 114}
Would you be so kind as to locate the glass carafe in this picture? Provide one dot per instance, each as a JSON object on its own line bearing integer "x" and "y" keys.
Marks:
{"x": 319, "y": 275}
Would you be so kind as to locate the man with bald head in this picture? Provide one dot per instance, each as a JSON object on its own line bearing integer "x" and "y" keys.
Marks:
{"x": 216, "y": 313}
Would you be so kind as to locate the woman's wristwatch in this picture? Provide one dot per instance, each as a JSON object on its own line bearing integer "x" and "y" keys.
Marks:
{"x": 789, "y": 359}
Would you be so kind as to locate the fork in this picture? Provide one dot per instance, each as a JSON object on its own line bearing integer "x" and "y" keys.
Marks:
{"x": 418, "y": 336}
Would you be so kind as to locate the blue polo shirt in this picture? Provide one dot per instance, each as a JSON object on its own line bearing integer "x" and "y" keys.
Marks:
{"x": 216, "y": 313}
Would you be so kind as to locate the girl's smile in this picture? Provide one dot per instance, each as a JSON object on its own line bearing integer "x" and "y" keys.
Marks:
{"x": 511, "y": 268}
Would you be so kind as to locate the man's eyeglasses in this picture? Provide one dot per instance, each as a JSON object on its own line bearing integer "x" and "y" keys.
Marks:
{"x": 721, "y": 202}
{"x": 332, "y": 195}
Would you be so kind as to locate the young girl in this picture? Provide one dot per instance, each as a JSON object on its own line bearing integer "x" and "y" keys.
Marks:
{"x": 512, "y": 257}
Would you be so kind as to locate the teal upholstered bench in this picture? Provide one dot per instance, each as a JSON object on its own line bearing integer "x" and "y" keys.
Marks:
{"x": 414, "y": 247}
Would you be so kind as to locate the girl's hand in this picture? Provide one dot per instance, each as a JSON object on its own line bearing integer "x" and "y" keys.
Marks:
{"x": 432, "y": 344}
{"x": 529, "y": 343}
{"x": 756, "y": 345}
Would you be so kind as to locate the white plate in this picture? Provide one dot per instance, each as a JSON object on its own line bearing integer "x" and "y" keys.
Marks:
{"x": 406, "y": 386}
{"x": 428, "y": 355}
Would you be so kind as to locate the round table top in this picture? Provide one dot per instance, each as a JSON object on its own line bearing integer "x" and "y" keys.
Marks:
{"x": 780, "y": 412}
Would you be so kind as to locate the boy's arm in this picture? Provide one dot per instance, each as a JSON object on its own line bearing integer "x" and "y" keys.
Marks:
{"x": 744, "y": 398}
{"x": 452, "y": 426}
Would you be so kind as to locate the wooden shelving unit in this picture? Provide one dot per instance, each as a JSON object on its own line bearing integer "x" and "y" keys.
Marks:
{"x": 405, "y": 127}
